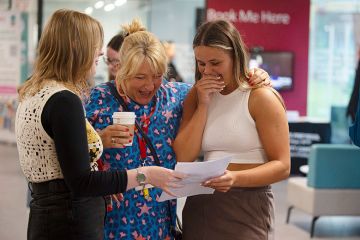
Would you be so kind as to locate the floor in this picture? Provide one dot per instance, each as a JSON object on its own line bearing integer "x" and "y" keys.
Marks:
{"x": 14, "y": 213}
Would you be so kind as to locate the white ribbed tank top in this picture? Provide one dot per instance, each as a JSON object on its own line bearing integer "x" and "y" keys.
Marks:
{"x": 230, "y": 130}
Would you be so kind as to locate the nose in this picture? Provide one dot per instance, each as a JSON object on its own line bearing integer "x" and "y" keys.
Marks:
{"x": 207, "y": 69}
{"x": 149, "y": 84}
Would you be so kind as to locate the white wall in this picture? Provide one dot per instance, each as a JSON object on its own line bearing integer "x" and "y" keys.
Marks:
{"x": 175, "y": 20}
{"x": 168, "y": 19}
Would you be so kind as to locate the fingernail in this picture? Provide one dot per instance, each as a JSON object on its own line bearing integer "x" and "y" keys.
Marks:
{"x": 127, "y": 130}
{"x": 131, "y": 134}
{"x": 130, "y": 141}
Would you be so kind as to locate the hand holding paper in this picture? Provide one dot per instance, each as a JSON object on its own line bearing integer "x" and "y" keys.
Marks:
{"x": 222, "y": 183}
{"x": 197, "y": 173}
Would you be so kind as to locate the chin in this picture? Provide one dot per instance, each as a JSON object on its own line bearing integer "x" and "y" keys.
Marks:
{"x": 144, "y": 100}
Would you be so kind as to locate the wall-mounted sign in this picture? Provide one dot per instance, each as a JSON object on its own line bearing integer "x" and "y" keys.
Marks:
{"x": 277, "y": 26}
{"x": 249, "y": 16}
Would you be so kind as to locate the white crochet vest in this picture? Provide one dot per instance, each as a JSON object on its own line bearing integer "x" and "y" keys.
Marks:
{"x": 37, "y": 155}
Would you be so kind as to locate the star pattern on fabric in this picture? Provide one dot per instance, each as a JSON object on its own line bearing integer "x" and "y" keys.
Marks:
{"x": 174, "y": 90}
{"x": 141, "y": 221}
{"x": 137, "y": 236}
{"x": 144, "y": 209}
{"x": 168, "y": 115}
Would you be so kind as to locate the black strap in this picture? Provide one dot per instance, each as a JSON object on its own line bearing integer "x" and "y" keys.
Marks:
{"x": 120, "y": 100}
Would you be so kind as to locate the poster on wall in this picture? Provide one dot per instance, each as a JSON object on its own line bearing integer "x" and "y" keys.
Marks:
{"x": 10, "y": 44}
{"x": 10, "y": 69}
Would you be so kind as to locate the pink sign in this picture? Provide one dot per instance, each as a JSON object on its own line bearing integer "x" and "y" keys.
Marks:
{"x": 8, "y": 90}
{"x": 276, "y": 25}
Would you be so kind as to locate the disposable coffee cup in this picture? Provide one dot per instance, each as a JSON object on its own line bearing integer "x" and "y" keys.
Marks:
{"x": 126, "y": 119}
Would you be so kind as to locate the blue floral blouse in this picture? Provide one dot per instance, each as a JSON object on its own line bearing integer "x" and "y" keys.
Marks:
{"x": 133, "y": 216}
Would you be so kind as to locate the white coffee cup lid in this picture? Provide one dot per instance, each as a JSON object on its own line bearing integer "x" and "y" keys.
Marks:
{"x": 123, "y": 115}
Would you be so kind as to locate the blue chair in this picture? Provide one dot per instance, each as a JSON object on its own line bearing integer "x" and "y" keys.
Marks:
{"x": 332, "y": 186}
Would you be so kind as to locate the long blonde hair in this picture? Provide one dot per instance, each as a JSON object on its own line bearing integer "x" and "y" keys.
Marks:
{"x": 66, "y": 52}
{"x": 139, "y": 45}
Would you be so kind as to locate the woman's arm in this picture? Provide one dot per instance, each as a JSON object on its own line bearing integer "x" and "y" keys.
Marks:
{"x": 187, "y": 144}
{"x": 272, "y": 126}
{"x": 63, "y": 119}
{"x": 269, "y": 115}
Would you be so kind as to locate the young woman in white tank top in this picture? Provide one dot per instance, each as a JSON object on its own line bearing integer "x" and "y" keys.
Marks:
{"x": 225, "y": 116}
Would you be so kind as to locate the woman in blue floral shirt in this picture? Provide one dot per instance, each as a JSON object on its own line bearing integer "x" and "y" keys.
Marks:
{"x": 158, "y": 108}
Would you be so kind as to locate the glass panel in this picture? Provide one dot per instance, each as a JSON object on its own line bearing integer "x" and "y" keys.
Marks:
{"x": 332, "y": 59}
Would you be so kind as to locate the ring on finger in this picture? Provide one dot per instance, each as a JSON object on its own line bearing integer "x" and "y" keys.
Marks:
{"x": 113, "y": 140}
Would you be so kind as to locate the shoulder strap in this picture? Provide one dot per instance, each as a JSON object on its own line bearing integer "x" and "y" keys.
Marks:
{"x": 121, "y": 101}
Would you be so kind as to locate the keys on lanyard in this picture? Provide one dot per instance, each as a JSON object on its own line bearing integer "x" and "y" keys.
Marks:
{"x": 146, "y": 193}
{"x": 142, "y": 145}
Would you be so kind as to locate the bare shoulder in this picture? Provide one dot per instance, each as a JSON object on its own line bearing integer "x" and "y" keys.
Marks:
{"x": 265, "y": 95}
{"x": 265, "y": 99}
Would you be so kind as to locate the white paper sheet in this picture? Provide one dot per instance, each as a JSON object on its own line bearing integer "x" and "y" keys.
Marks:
{"x": 197, "y": 173}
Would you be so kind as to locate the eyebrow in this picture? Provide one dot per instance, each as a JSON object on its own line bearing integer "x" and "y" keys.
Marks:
{"x": 211, "y": 60}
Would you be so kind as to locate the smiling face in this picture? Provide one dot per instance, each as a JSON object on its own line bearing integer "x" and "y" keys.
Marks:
{"x": 212, "y": 61}
{"x": 143, "y": 86}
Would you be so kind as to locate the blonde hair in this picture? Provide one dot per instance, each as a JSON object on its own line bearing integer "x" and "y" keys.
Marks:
{"x": 66, "y": 52}
{"x": 139, "y": 45}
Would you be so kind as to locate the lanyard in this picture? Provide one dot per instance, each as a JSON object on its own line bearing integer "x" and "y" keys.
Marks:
{"x": 139, "y": 131}
{"x": 145, "y": 120}
{"x": 146, "y": 139}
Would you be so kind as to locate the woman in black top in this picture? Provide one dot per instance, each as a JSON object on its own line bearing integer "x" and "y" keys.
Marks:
{"x": 58, "y": 147}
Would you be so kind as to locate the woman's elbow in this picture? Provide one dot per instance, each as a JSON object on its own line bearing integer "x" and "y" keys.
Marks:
{"x": 285, "y": 171}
